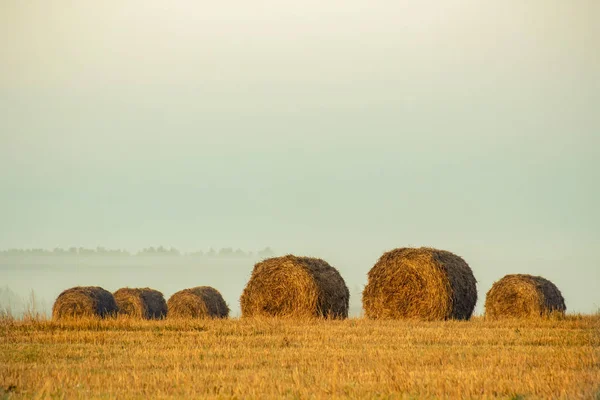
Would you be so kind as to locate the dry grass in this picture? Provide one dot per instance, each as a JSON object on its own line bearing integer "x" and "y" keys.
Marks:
{"x": 295, "y": 287}
{"x": 84, "y": 301}
{"x": 141, "y": 303}
{"x": 420, "y": 283}
{"x": 313, "y": 358}
{"x": 198, "y": 302}
{"x": 523, "y": 296}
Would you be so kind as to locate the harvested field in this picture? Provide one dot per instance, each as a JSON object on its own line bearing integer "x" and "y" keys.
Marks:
{"x": 310, "y": 358}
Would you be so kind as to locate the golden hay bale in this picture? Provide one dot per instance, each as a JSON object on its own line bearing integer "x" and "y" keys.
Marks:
{"x": 84, "y": 301}
{"x": 293, "y": 286}
{"x": 198, "y": 302}
{"x": 422, "y": 283}
{"x": 143, "y": 303}
{"x": 523, "y": 296}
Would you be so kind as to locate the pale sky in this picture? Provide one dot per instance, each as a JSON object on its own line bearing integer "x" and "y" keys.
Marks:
{"x": 337, "y": 130}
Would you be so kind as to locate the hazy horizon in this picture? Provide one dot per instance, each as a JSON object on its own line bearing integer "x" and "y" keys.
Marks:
{"x": 336, "y": 130}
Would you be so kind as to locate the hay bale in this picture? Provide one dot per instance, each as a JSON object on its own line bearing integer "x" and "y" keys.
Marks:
{"x": 84, "y": 301}
{"x": 523, "y": 296}
{"x": 198, "y": 302}
{"x": 143, "y": 303}
{"x": 293, "y": 286}
{"x": 421, "y": 283}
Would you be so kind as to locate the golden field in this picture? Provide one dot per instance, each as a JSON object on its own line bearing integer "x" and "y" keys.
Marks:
{"x": 271, "y": 358}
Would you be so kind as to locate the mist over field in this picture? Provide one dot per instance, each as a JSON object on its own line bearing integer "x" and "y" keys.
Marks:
{"x": 166, "y": 273}
{"x": 337, "y": 130}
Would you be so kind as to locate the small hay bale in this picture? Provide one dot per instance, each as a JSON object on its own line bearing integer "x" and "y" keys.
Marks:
{"x": 296, "y": 287}
{"x": 523, "y": 296}
{"x": 84, "y": 301}
{"x": 420, "y": 283}
{"x": 142, "y": 303}
{"x": 198, "y": 302}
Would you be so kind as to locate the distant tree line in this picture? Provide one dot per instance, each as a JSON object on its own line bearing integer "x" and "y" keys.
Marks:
{"x": 227, "y": 252}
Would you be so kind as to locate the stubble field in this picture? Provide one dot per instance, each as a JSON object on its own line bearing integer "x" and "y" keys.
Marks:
{"x": 271, "y": 358}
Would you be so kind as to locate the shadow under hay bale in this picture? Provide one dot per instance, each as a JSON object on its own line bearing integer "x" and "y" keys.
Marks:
{"x": 420, "y": 283}
{"x": 296, "y": 287}
{"x": 198, "y": 302}
{"x": 84, "y": 301}
{"x": 523, "y": 296}
{"x": 143, "y": 303}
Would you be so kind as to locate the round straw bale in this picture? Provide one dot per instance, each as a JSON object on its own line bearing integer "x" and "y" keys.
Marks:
{"x": 296, "y": 287}
{"x": 523, "y": 296}
{"x": 421, "y": 283}
{"x": 198, "y": 302}
{"x": 143, "y": 303}
{"x": 84, "y": 301}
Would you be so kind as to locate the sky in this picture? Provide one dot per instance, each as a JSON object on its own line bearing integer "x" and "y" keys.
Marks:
{"x": 337, "y": 130}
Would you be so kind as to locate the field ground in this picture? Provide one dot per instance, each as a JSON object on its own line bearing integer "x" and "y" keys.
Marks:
{"x": 301, "y": 359}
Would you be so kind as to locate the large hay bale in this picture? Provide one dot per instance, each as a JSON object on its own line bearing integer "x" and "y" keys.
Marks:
{"x": 293, "y": 286}
{"x": 198, "y": 302}
{"x": 421, "y": 283}
{"x": 523, "y": 296}
{"x": 143, "y": 303}
{"x": 84, "y": 301}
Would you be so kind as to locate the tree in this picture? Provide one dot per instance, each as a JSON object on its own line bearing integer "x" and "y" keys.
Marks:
{"x": 266, "y": 252}
{"x": 226, "y": 252}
